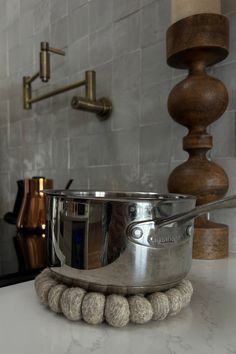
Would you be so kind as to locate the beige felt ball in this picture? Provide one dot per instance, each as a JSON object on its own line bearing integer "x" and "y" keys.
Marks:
{"x": 75, "y": 303}
{"x": 45, "y": 274}
{"x": 140, "y": 309}
{"x": 71, "y": 301}
{"x": 93, "y": 308}
{"x": 37, "y": 281}
{"x": 186, "y": 290}
{"x": 54, "y": 297}
{"x": 43, "y": 289}
{"x": 117, "y": 311}
{"x": 160, "y": 305}
{"x": 41, "y": 280}
{"x": 175, "y": 301}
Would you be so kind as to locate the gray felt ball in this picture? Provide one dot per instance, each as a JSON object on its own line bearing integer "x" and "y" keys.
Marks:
{"x": 93, "y": 308}
{"x": 186, "y": 290}
{"x": 71, "y": 301}
{"x": 43, "y": 289}
{"x": 175, "y": 301}
{"x": 117, "y": 310}
{"x": 140, "y": 309}
{"x": 160, "y": 305}
{"x": 54, "y": 297}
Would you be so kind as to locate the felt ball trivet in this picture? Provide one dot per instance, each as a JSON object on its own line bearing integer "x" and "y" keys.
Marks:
{"x": 117, "y": 310}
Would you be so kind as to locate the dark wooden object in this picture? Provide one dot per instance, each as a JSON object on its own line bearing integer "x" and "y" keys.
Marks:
{"x": 194, "y": 43}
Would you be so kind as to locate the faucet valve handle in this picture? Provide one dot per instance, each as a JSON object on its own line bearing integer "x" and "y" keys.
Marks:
{"x": 45, "y": 47}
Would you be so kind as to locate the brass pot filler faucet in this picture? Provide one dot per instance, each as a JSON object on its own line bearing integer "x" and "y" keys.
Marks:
{"x": 102, "y": 107}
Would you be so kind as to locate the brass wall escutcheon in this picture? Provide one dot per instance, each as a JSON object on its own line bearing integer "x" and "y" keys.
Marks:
{"x": 102, "y": 107}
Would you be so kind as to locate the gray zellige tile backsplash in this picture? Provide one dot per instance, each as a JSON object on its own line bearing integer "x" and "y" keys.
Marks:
{"x": 122, "y": 8}
{"x": 124, "y": 41}
{"x": 126, "y": 35}
{"x": 100, "y": 46}
{"x": 100, "y": 14}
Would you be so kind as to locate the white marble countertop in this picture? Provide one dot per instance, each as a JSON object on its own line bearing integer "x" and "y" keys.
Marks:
{"x": 207, "y": 326}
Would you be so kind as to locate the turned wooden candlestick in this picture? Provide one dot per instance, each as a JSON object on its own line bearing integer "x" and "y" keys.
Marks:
{"x": 194, "y": 43}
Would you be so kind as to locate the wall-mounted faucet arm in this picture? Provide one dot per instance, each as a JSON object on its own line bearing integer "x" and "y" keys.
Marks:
{"x": 102, "y": 107}
{"x": 57, "y": 91}
{"x": 32, "y": 78}
{"x": 89, "y": 103}
{"x": 90, "y": 87}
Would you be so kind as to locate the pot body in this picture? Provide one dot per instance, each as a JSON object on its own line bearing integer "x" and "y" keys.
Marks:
{"x": 87, "y": 237}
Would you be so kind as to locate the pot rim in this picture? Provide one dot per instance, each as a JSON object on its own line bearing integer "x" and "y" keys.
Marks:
{"x": 118, "y": 196}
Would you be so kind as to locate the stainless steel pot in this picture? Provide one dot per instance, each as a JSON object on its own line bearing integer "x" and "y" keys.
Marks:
{"x": 122, "y": 242}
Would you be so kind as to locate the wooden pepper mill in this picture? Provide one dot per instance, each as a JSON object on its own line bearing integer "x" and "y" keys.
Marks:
{"x": 194, "y": 43}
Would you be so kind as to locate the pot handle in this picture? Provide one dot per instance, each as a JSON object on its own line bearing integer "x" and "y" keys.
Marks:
{"x": 58, "y": 252}
{"x": 228, "y": 202}
{"x": 53, "y": 229}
